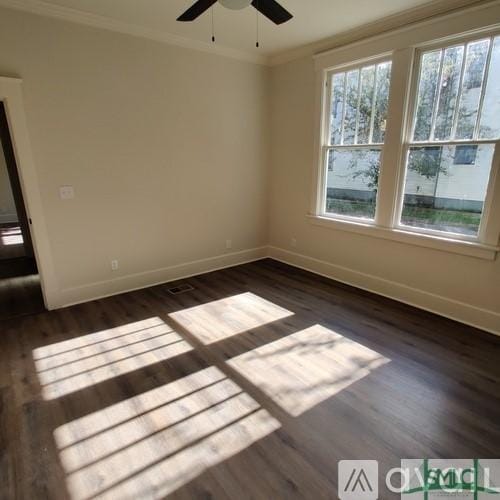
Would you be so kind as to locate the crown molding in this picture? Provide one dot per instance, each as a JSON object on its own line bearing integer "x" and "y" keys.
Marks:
{"x": 39, "y": 7}
{"x": 395, "y": 22}
{"x": 401, "y": 20}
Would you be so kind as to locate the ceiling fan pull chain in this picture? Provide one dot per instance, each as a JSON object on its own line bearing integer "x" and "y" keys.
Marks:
{"x": 257, "y": 27}
{"x": 213, "y": 24}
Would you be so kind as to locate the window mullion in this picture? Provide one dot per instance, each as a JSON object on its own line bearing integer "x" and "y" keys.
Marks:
{"x": 391, "y": 163}
{"x": 459, "y": 93}
{"x": 358, "y": 104}
{"x": 374, "y": 102}
{"x": 349, "y": 147}
{"x": 344, "y": 104}
{"x": 438, "y": 95}
{"x": 327, "y": 133}
{"x": 461, "y": 142}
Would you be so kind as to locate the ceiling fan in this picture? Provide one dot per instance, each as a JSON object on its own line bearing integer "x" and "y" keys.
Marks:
{"x": 269, "y": 8}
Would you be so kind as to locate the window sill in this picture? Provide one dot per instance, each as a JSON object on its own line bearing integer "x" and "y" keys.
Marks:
{"x": 462, "y": 247}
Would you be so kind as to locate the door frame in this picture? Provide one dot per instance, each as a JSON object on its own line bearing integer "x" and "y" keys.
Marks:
{"x": 12, "y": 98}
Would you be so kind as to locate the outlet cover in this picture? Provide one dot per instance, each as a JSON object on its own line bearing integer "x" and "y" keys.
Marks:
{"x": 66, "y": 192}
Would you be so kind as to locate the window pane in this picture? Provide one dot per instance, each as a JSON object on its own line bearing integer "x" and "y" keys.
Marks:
{"x": 454, "y": 84}
{"x": 490, "y": 122}
{"x": 351, "y": 107}
{"x": 450, "y": 81}
{"x": 381, "y": 102}
{"x": 441, "y": 194}
{"x": 358, "y": 111}
{"x": 477, "y": 53}
{"x": 352, "y": 181}
{"x": 337, "y": 107}
{"x": 429, "y": 74}
{"x": 366, "y": 104}
{"x": 358, "y": 105}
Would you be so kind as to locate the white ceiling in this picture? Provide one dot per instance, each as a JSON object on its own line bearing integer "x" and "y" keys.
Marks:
{"x": 313, "y": 20}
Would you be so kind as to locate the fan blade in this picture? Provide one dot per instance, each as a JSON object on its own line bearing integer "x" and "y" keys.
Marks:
{"x": 196, "y": 10}
{"x": 272, "y": 10}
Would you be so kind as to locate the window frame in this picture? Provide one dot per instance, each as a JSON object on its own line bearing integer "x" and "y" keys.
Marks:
{"x": 326, "y": 146}
{"x": 390, "y": 195}
{"x": 409, "y": 142}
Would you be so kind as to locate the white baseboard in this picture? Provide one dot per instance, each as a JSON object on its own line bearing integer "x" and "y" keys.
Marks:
{"x": 484, "y": 319}
{"x": 131, "y": 282}
{"x": 459, "y": 311}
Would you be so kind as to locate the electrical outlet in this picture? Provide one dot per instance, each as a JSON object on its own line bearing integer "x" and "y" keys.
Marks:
{"x": 229, "y": 244}
{"x": 293, "y": 242}
{"x": 114, "y": 265}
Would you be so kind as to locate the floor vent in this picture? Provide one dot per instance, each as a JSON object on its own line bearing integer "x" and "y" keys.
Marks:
{"x": 185, "y": 287}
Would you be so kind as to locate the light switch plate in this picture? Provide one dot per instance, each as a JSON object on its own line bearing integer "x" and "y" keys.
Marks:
{"x": 66, "y": 192}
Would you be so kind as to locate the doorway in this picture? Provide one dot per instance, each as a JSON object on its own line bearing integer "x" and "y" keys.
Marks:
{"x": 20, "y": 290}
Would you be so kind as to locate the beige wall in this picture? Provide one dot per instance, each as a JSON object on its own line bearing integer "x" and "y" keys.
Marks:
{"x": 7, "y": 205}
{"x": 165, "y": 147}
{"x": 454, "y": 285}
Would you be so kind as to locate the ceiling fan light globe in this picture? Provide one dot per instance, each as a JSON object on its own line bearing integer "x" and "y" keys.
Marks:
{"x": 235, "y": 4}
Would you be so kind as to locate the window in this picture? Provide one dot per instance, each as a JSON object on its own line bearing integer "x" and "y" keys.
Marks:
{"x": 357, "y": 120}
{"x": 465, "y": 155}
{"x": 408, "y": 144}
{"x": 455, "y": 85}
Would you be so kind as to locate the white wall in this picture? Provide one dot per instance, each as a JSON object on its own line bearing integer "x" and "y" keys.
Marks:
{"x": 7, "y": 205}
{"x": 466, "y": 288}
{"x": 166, "y": 149}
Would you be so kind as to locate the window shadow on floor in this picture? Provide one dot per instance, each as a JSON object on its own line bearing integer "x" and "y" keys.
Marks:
{"x": 130, "y": 395}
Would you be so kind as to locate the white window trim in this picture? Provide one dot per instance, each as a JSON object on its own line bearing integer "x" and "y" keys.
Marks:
{"x": 463, "y": 247}
{"x": 401, "y": 107}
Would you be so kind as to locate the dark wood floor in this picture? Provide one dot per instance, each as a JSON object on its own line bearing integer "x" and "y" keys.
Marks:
{"x": 20, "y": 296}
{"x": 252, "y": 385}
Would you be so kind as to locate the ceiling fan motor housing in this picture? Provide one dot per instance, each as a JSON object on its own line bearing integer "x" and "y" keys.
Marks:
{"x": 235, "y": 4}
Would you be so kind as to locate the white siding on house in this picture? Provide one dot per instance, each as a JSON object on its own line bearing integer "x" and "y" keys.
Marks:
{"x": 460, "y": 182}
{"x": 344, "y": 172}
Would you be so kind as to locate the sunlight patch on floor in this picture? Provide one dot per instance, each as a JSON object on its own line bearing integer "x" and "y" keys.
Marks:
{"x": 224, "y": 318}
{"x": 152, "y": 444}
{"x": 305, "y": 368}
{"x": 84, "y": 361}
